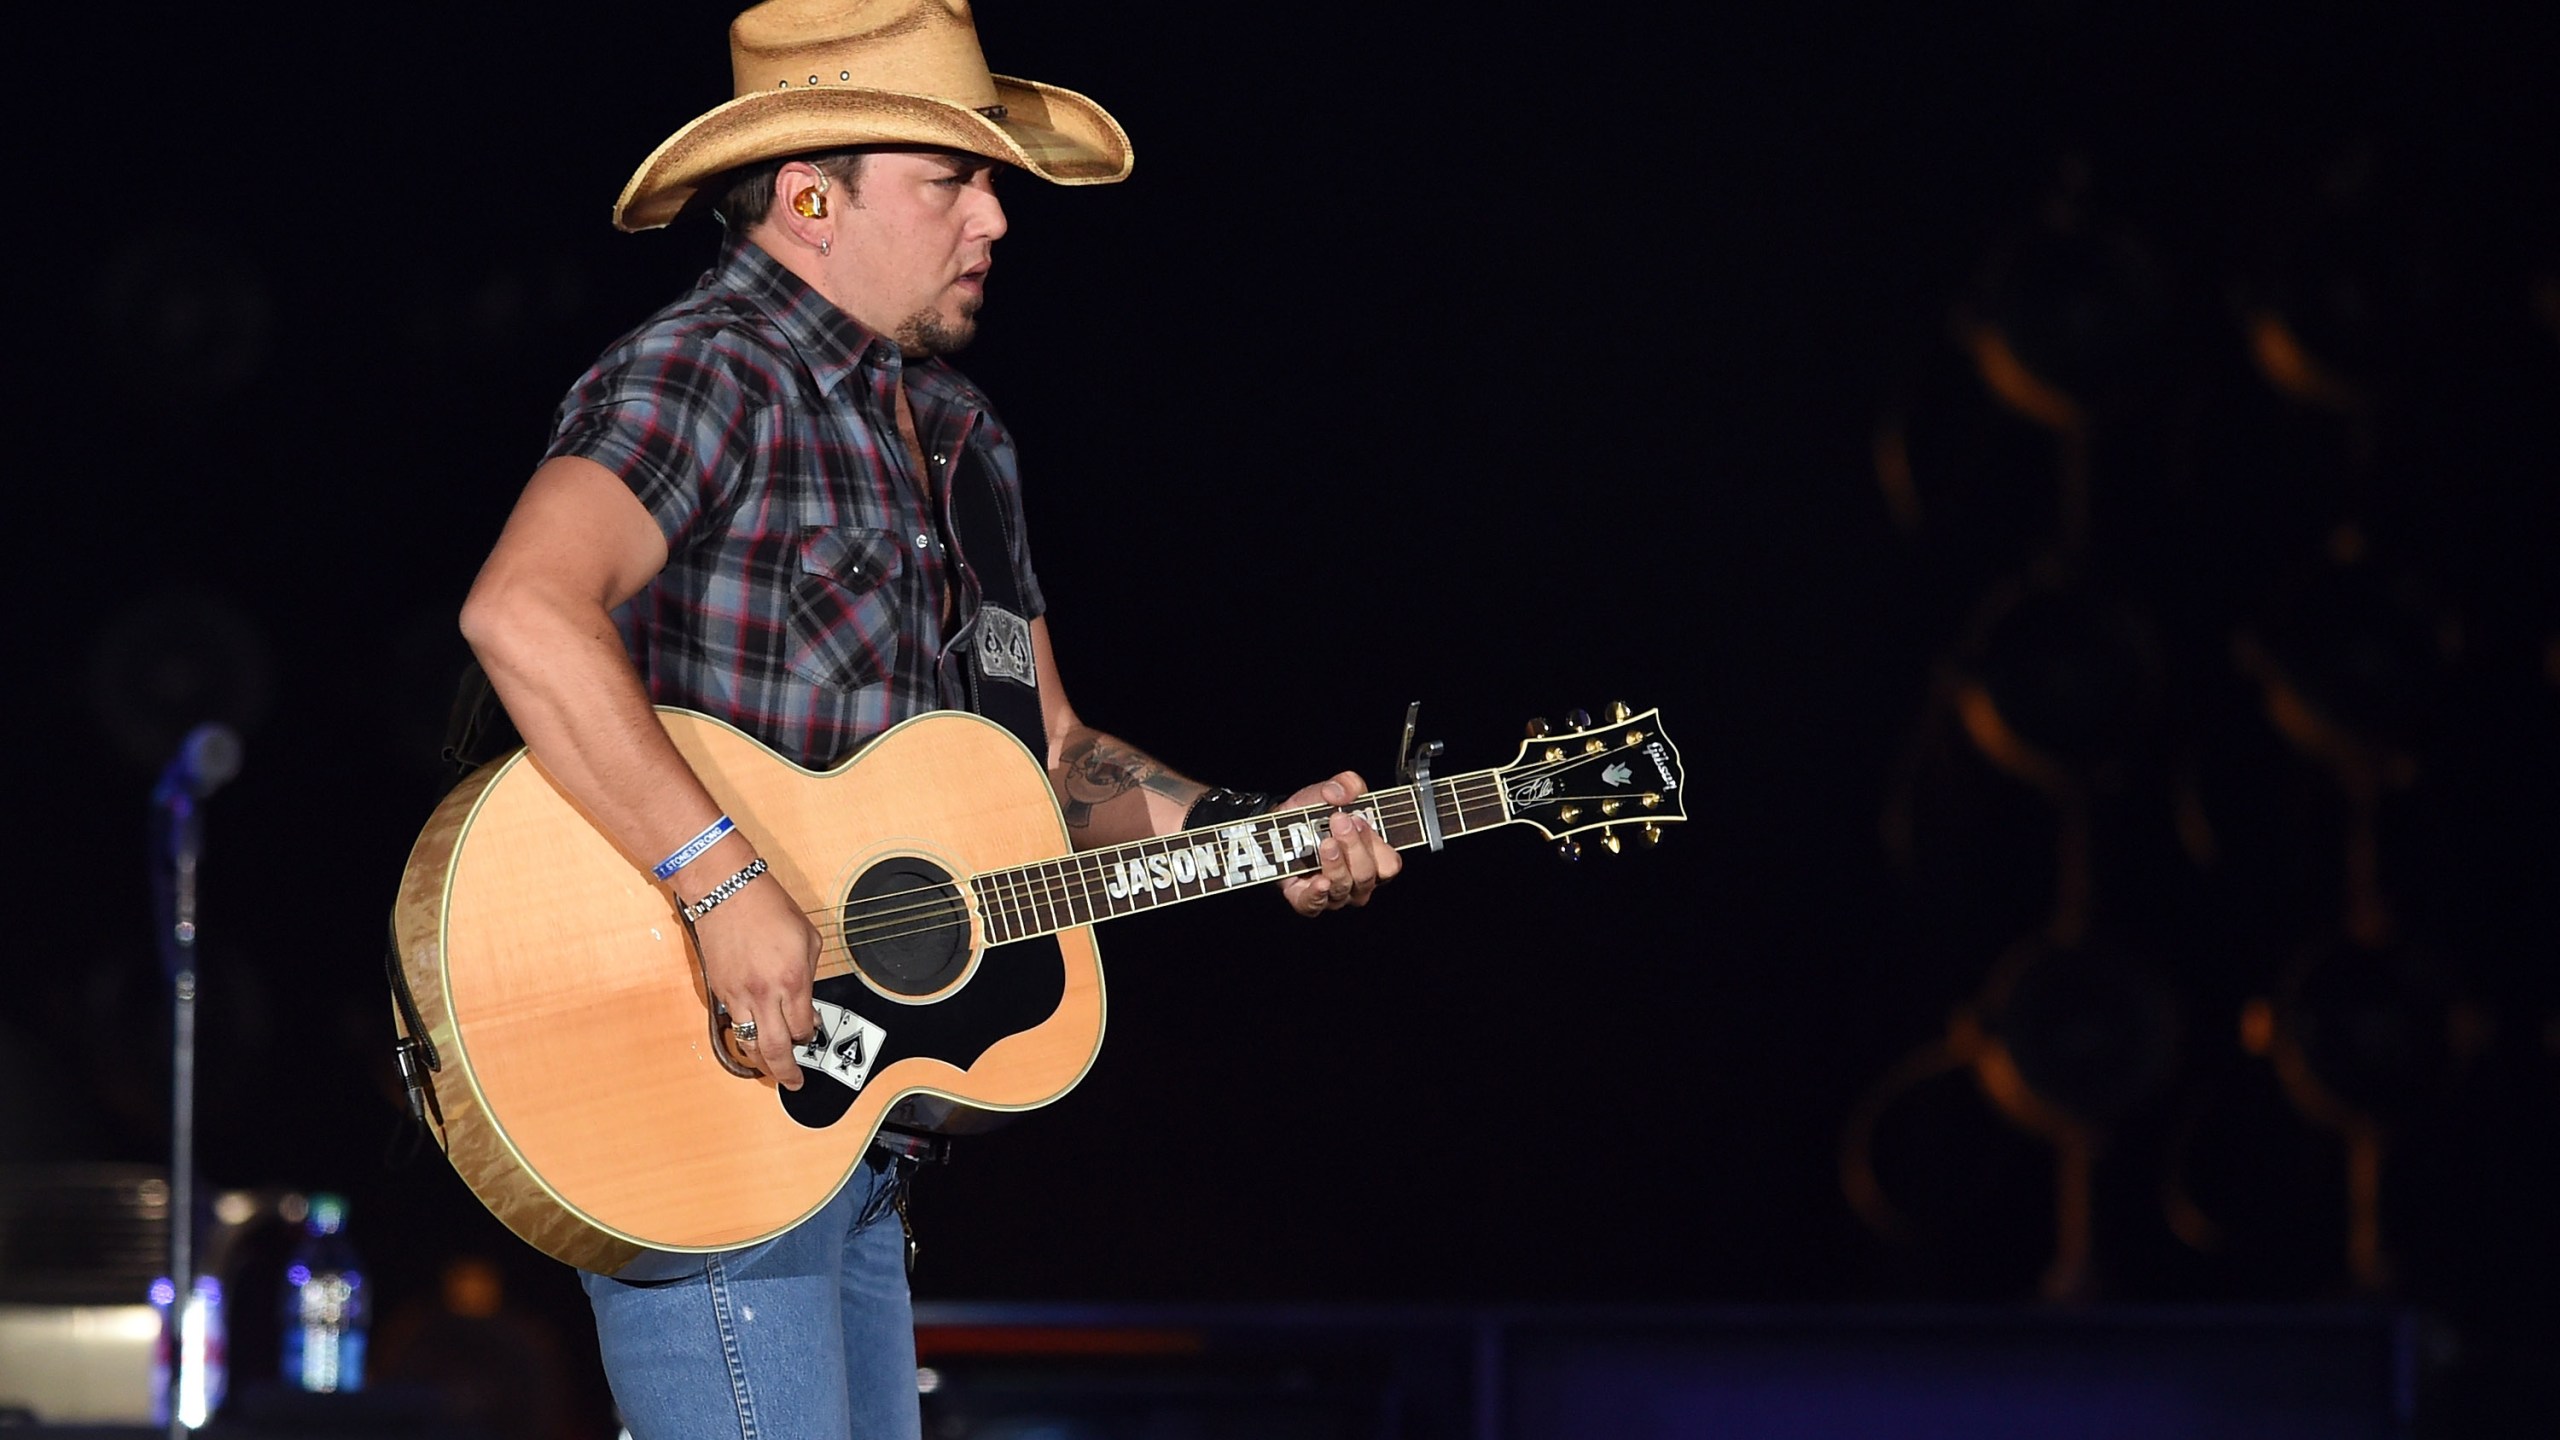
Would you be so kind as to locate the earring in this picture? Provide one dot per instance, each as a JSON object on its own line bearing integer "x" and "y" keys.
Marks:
{"x": 811, "y": 204}
{"x": 823, "y": 247}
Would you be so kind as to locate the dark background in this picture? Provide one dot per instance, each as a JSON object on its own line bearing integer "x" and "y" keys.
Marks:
{"x": 1510, "y": 359}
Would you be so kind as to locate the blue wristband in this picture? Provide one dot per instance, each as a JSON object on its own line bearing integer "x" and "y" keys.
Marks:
{"x": 666, "y": 869}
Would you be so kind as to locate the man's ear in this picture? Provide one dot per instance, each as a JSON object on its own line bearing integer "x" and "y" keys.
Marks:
{"x": 804, "y": 205}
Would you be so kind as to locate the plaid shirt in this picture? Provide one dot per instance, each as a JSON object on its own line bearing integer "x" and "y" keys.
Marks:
{"x": 807, "y": 564}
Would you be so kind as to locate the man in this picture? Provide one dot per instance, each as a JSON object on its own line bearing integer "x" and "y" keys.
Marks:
{"x": 775, "y": 502}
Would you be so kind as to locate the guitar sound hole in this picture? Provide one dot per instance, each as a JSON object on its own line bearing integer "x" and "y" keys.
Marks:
{"x": 907, "y": 926}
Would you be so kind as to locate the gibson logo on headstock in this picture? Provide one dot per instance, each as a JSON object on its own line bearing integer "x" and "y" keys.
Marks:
{"x": 1662, "y": 761}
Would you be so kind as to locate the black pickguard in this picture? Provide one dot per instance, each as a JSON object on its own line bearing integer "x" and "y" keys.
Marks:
{"x": 1017, "y": 987}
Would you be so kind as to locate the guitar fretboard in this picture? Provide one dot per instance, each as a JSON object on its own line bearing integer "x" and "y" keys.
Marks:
{"x": 1080, "y": 889}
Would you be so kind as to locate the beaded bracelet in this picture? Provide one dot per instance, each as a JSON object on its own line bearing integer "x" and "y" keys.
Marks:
{"x": 686, "y": 853}
{"x": 711, "y": 898}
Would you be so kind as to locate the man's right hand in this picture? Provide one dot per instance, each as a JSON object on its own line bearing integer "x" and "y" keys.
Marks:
{"x": 759, "y": 957}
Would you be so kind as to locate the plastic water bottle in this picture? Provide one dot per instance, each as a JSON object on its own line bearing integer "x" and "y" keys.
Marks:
{"x": 326, "y": 1305}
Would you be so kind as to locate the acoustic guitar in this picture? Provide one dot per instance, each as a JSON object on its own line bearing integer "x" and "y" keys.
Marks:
{"x": 579, "y": 1077}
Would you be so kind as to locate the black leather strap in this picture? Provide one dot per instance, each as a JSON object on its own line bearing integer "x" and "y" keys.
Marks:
{"x": 978, "y": 523}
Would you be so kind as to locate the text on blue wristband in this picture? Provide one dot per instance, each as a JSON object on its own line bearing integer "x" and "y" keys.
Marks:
{"x": 684, "y": 856}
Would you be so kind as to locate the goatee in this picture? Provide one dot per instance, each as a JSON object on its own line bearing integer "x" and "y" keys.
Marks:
{"x": 927, "y": 333}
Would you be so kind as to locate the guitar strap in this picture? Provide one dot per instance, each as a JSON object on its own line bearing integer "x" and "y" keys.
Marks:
{"x": 995, "y": 644}
{"x": 476, "y": 729}
{"x": 1001, "y": 682}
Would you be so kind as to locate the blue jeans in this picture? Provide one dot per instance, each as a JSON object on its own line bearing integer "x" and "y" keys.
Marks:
{"x": 808, "y": 1336}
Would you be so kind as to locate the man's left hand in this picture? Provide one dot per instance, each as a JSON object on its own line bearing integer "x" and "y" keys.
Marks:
{"x": 1356, "y": 860}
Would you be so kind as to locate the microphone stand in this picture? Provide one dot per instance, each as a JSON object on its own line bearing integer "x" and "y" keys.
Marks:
{"x": 178, "y": 947}
{"x": 209, "y": 757}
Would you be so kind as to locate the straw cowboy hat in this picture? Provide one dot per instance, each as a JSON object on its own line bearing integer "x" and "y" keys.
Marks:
{"x": 831, "y": 74}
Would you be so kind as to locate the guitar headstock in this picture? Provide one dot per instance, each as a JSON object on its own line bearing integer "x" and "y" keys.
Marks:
{"x": 1620, "y": 777}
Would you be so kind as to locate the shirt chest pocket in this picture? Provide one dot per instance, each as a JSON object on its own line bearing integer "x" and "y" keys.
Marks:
{"x": 845, "y": 622}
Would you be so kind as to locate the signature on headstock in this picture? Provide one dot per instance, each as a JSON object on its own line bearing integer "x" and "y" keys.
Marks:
{"x": 1532, "y": 790}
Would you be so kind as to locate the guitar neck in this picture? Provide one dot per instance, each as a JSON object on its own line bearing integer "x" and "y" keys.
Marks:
{"x": 1053, "y": 895}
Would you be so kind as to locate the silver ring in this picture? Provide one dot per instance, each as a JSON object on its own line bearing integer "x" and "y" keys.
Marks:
{"x": 745, "y": 1030}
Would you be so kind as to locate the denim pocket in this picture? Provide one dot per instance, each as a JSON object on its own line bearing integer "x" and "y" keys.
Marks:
{"x": 844, "y": 625}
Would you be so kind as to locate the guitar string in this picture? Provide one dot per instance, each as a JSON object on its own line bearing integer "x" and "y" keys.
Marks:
{"x": 1026, "y": 889}
{"x": 1063, "y": 890}
{"x": 1026, "y": 885}
{"x": 1022, "y": 891}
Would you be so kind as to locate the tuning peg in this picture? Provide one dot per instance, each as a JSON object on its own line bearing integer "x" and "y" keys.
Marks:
{"x": 1568, "y": 849}
{"x": 1553, "y": 754}
{"x": 1619, "y": 714}
{"x": 1652, "y": 833}
{"x": 1569, "y": 814}
{"x": 1578, "y": 718}
{"x": 1609, "y": 838}
{"x": 1611, "y": 806}
{"x": 1594, "y": 745}
{"x": 1537, "y": 727}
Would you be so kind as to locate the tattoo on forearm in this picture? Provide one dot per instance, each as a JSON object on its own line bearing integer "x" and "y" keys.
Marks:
{"x": 1096, "y": 772}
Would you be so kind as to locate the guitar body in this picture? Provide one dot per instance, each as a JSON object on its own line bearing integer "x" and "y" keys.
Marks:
{"x": 581, "y": 1086}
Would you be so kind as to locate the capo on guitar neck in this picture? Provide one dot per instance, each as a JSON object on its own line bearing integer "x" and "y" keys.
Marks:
{"x": 1413, "y": 766}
